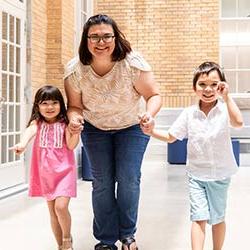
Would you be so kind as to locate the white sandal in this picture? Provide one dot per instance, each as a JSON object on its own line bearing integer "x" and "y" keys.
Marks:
{"x": 68, "y": 242}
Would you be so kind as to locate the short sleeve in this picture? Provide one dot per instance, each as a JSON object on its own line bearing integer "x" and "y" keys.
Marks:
{"x": 72, "y": 73}
{"x": 137, "y": 64}
{"x": 179, "y": 128}
{"x": 137, "y": 61}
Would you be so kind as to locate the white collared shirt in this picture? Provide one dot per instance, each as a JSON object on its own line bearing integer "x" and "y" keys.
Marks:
{"x": 209, "y": 148}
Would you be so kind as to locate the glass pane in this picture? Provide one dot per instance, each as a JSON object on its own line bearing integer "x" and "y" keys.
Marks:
{"x": 4, "y": 149}
{"x": 17, "y": 118}
{"x": 11, "y": 144}
{"x": 231, "y": 80}
{"x": 11, "y": 59}
{"x": 244, "y": 62}
{"x": 244, "y": 8}
{"x": 4, "y": 25}
{"x": 11, "y": 118}
{"x": 4, "y": 118}
{"x": 227, "y": 32}
{"x": 11, "y": 89}
{"x": 18, "y": 62}
{"x": 18, "y": 90}
{"x": 84, "y": 6}
{"x": 228, "y": 8}
{"x": 4, "y": 56}
{"x": 228, "y": 57}
{"x": 17, "y": 157}
{"x": 4, "y": 87}
{"x": 244, "y": 32}
{"x": 244, "y": 82}
{"x": 11, "y": 29}
{"x": 18, "y": 30}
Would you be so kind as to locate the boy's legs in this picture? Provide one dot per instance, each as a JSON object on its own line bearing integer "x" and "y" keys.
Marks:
{"x": 199, "y": 212}
{"x": 219, "y": 231}
{"x": 217, "y": 196}
{"x": 198, "y": 234}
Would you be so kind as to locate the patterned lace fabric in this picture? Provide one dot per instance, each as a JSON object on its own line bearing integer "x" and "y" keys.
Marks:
{"x": 110, "y": 101}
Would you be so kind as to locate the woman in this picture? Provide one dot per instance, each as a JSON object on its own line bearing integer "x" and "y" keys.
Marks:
{"x": 104, "y": 87}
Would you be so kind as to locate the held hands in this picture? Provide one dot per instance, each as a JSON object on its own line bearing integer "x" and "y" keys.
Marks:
{"x": 76, "y": 124}
{"x": 147, "y": 123}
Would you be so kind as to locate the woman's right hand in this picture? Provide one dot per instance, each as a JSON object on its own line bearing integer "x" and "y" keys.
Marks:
{"x": 76, "y": 124}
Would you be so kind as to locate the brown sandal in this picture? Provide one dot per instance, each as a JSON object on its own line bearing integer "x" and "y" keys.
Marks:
{"x": 127, "y": 242}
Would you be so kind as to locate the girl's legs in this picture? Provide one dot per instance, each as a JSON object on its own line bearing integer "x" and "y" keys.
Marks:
{"x": 56, "y": 228}
{"x": 218, "y": 231}
{"x": 60, "y": 220}
{"x": 198, "y": 234}
{"x": 64, "y": 219}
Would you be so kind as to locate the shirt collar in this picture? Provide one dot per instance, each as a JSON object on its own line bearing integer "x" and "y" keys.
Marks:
{"x": 218, "y": 106}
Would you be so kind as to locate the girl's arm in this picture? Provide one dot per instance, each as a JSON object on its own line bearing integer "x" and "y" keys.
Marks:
{"x": 72, "y": 140}
{"x": 235, "y": 115}
{"x": 28, "y": 134}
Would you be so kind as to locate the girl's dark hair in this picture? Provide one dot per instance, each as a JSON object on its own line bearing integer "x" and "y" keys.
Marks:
{"x": 206, "y": 68}
{"x": 122, "y": 46}
{"x": 48, "y": 92}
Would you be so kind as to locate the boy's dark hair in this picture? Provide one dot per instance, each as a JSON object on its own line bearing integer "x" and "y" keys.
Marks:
{"x": 206, "y": 68}
{"x": 48, "y": 92}
{"x": 122, "y": 46}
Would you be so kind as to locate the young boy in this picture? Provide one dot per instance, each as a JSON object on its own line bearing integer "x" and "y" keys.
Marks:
{"x": 210, "y": 159}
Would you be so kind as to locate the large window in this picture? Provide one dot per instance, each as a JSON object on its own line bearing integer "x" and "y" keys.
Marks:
{"x": 235, "y": 43}
{"x": 12, "y": 79}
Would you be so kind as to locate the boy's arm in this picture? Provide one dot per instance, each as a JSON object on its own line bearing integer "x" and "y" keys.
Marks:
{"x": 163, "y": 135}
{"x": 72, "y": 140}
{"x": 28, "y": 134}
{"x": 235, "y": 115}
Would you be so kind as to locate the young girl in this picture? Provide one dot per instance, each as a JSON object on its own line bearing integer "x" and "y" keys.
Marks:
{"x": 53, "y": 170}
{"x": 210, "y": 160}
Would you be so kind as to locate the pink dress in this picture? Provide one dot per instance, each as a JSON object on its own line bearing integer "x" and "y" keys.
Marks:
{"x": 53, "y": 169}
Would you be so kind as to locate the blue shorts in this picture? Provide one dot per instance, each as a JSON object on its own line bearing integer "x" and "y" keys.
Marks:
{"x": 208, "y": 200}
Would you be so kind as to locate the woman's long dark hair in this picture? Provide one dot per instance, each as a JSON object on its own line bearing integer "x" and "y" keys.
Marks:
{"x": 48, "y": 92}
{"x": 122, "y": 46}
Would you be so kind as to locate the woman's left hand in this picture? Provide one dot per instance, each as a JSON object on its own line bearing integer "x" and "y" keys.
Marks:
{"x": 147, "y": 122}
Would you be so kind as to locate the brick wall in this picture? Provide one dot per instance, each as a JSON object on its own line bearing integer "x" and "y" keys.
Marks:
{"x": 174, "y": 36}
{"x": 52, "y": 41}
{"x": 38, "y": 38}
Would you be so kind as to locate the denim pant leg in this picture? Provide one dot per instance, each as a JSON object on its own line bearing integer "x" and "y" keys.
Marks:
{"x": 130, "y": 145}
{"x": 99, "y": 147}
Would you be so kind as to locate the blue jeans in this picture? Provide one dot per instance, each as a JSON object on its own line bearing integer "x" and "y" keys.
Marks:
{"x": 115, "y": 157}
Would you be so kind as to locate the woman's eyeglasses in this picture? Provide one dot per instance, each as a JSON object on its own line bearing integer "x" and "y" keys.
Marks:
{"x": 105, "y": 38}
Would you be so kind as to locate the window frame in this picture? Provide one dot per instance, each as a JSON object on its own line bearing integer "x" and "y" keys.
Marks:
{"x": 79, "y": 22}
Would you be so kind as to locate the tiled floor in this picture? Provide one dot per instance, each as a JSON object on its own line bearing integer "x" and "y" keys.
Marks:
{"x": 163, "y": 218}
